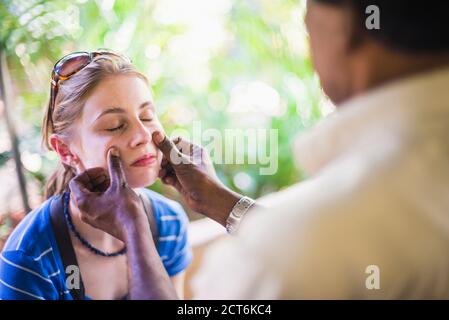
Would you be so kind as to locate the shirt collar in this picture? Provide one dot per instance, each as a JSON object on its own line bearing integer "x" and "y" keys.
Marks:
{"x": 393, "y": 111}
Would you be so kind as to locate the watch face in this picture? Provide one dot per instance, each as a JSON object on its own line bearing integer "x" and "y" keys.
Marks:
{"x": 238, "y": 213}
{"x": 241, "y": 207}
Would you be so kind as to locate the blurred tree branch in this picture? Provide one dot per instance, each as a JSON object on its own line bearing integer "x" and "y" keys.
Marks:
{"x": 5, "y": 97}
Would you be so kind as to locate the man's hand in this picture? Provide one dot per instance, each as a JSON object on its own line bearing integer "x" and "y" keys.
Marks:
{"x": 105, "y": 200}
{"x": 189, "y": 169}
{"x": 107, "y": 203}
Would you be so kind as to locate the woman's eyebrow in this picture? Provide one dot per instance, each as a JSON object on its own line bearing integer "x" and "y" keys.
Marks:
{"x": 110, "y": 110}
{"x": 121, "y": 110}
{"x": 147, "y": 104}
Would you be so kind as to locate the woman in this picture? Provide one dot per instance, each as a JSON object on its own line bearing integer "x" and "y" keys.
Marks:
{"x": 98, "y": 101}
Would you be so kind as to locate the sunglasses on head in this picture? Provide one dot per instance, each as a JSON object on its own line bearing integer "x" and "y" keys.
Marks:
{"x": 72, "y": 63}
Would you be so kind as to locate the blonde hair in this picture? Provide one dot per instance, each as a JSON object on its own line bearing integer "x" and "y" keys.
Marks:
{"x": 70, "y": 99}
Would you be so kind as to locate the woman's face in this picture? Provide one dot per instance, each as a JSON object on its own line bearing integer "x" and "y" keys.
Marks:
{"x": 119, "y": 113}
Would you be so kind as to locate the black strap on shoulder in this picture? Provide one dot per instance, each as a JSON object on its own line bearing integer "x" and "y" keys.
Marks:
{"x": 61, "y": 231}
{"x": 65, "y": 246}
{"x": 150, "y": 214}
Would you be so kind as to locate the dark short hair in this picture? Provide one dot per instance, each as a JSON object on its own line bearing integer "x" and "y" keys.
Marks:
{"x": 406, "y": 25}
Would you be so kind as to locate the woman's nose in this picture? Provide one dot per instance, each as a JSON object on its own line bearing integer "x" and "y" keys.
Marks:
{"x": 141, "y": 135}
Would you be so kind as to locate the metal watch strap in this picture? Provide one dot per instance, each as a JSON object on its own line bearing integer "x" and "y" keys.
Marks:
{"x": 237, "y": 213}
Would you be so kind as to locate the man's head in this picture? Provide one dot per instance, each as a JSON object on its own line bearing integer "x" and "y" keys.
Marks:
{"x": 350, "y": 58}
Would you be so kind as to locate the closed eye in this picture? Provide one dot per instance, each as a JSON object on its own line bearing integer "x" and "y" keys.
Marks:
{"x": 116, "y": 128}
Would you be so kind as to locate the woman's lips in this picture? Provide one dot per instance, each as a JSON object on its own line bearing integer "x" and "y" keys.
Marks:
{"x": 144, "y": 161}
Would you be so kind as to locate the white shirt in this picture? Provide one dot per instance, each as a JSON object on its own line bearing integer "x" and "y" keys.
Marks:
{"x": 377, "y": 195}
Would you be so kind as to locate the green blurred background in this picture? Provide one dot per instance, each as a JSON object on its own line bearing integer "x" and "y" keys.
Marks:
{"x": 226, "y": 63}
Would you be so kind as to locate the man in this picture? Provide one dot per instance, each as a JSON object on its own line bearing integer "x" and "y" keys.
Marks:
{"x": 372, "y": 220}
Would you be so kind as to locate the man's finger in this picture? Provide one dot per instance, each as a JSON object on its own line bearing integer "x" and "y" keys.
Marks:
{"x": 162, "y": 173}
{"x": 167, "y": 167}
{"x": 178, "y": 187}
{"x": 96, "y": 172}
{"x": 167, "y": 180}
{"x": 170, "y": 180}
{"x": 163, "y": 143}
{"x": 101, "y": 186}
{"x": 116, "y": 173}
{"x": 78, "y": 189}
{"x": 197, "y": 154}
{"x": 83, "y": 177}
{"x": 99, "y": 179}
{"x": 169, "y": 149}
{"x": 184, "y": 146}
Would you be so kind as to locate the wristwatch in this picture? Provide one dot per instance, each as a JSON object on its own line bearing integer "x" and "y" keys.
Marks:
{"x": 237, "y": 213}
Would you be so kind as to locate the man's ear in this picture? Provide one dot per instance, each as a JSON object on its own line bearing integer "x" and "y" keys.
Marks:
{"x": 355, "y": 34}
{"x": 62, "y": 149}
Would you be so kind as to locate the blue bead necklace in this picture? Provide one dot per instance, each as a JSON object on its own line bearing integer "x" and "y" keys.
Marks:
{"x": 83, "y": 241}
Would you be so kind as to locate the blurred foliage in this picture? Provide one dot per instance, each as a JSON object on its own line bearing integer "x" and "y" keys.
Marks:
{"x": 226, "y": 63}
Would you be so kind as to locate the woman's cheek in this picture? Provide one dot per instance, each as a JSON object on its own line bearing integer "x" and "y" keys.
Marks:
{"x": 95, "y": 159}
{"x": 95, "y": 148}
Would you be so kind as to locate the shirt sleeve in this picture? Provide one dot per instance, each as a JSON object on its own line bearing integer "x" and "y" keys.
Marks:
{"x": 232, "y": 271}
{"x": 327, "y": 246}
{"x": 23, "y": 278}
{"x": 175, "y": 249}
{"x": 278, "y": 256}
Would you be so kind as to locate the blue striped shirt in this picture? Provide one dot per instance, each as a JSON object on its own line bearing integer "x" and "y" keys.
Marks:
{"x": 31, "y": 266}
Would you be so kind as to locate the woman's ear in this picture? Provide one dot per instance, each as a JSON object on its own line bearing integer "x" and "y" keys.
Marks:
{"x": 63, "y": 150}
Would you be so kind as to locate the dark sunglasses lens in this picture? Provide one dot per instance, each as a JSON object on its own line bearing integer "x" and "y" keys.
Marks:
{"x": 71, "y": 64}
